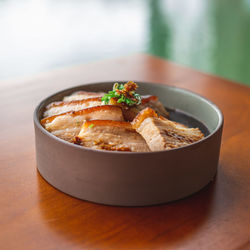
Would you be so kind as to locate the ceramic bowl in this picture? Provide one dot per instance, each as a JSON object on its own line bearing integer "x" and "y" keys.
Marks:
{"x": 129, "y": 178}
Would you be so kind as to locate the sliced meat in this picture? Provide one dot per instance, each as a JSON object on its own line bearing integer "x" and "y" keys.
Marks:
{"x": 147, "y": 101}
{"x": 111, "y": 135}
{"x": 153, "y": 102}
{"x": 161, "y": 133}
{"x": 80, "y": 95}
{"x": 68, "y": 125}
{"x": 56, "y": 108}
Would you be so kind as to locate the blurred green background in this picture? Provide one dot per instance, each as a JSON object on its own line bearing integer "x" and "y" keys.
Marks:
{"x": 212, "y": 36}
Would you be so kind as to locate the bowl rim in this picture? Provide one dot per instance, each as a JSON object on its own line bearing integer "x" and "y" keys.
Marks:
{"x": 213, "y": 105}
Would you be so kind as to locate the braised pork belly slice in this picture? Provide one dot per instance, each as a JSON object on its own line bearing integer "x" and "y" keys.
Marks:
{"x": 68, "y": 125}
{"x": 161, "y": 133}
{"x": 80, "y": 95}
{"x": 111, "y": 135}
{"x": 150, "y": 101}
{"x": 56, "y": 108}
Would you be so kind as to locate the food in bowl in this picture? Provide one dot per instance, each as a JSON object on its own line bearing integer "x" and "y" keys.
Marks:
{"x": 120, "y": 120}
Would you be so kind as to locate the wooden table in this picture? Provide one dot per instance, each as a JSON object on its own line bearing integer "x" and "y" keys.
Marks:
{"x": 34, "y": 215}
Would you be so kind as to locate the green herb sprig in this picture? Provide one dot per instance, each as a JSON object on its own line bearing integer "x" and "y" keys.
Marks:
{"x": 123, "y": 94}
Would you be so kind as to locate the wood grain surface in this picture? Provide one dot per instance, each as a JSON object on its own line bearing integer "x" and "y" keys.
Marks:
{"x": 34, "y": 215}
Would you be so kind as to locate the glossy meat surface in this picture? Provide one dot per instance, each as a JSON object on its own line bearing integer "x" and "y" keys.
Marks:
{"x": 68, "y": 125}
{"x": 57, "y": 108}
{"x": 80, "y": 95}
{"x": 161, "y": 133}
{"x": 111, "y": 135}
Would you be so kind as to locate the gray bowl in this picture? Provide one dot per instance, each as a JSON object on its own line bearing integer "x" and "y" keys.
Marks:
{"x": 134, "y": 179}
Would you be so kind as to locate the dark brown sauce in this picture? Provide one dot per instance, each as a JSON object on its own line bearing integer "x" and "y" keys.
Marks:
{"x": 187, "y": 119}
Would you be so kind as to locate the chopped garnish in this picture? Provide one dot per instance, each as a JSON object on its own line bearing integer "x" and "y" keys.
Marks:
{"x": 91, "y": 125}
{"x": 123, "y": 94}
